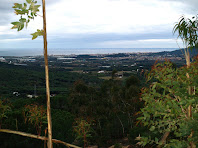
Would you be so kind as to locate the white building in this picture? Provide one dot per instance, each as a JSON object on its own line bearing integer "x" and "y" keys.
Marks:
{"x": 102, "y": 71}
{"x": 2, "y": 59}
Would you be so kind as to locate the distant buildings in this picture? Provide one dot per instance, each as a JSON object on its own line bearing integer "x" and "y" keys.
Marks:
{"x": 2, "y": 59}
{"x": 101, "y": 71}
{"x": 16, "y": 94}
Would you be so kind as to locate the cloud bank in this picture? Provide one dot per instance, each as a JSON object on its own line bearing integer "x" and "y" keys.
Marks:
{"x": 100, "y": 23}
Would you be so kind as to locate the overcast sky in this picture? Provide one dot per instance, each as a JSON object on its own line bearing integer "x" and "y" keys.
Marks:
{"x": 99, "y": 23}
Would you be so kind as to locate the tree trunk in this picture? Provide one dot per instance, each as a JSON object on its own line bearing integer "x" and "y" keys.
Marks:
{"x": 121, "y": 125}
{"x": 129, "y": 120}
{"x": 50, "y": 144}
{"x": 100, "y": 127}
{"x": 190, "y": 92}
{"x": 187, "y": 57}
{"x": 163, "y": 140}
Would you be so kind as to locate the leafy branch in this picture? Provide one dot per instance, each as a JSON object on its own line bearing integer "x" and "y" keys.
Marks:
{"x": 38, "y": 33}
{"x": 166, "y": 105}
{"x": 27, "y": 11}
{"x": 30, "y": 13}
{"x": 187, "y": 30}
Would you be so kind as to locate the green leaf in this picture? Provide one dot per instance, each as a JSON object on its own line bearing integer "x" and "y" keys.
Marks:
{"x": 24, "y": 8}
{"x": 15, "y": 5}
{"x": 140, "y": 118}
{"x": 19, "y": 25}
{"x": 191, "y": 101}
{"x": 35, "y": 8}
{"x": 28, "y": 1}
{"x": 15, "y": 25}
{"x": 38, "y": 33}
{"x": 27, "y": 22}
{"x": 152, "y": 128}
{"x": 156, "y": 140}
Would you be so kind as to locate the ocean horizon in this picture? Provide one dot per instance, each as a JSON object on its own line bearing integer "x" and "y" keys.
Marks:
{"x": 77, "y": 51}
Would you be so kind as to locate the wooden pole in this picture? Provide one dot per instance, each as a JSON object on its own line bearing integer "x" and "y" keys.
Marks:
{"x": 50, "y": 144}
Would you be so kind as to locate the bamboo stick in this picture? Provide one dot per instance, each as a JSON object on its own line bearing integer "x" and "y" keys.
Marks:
{"x": 50, "y": 144}
{"x": 36, "y": 137}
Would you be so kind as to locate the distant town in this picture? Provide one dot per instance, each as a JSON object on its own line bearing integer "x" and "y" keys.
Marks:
{"x": 92, "y": 61}
{"x": 100, "y": 64}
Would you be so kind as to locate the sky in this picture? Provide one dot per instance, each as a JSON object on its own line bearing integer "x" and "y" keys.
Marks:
{"x": 99, "y": 24}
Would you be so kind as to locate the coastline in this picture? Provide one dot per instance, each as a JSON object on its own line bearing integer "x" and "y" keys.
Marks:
{"x": 80, "y": 51}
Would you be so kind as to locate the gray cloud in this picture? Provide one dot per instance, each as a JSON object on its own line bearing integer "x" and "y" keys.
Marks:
{"x": 50, "y": 2}
{"x": 7, "y": 15}
{"x": 5, "y": 19}
{"x": 6, "y": 10}
{"x": 6, "y": 5}
{"x": 193, "y": 4}
{"x": 190, "y": 2}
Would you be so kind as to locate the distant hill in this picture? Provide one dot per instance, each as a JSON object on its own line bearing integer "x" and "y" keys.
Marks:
{"x": 85, "y": 56}
{"x": 117, "y": 55}
{"x": 179, "y": 52}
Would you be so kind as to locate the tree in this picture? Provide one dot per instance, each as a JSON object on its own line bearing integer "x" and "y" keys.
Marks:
{"x": 169, "y": 99}
{"x": 187, "y": 31}
{"x": 79, "y": 99}
{"x": 166, "y": 106}
{"x": 4, "y": 109}
{"x": 30, "y": 13}
{"x": 82, "y": 129}
{"x": 113, "y": 73}
{"x": 130, "y": 100}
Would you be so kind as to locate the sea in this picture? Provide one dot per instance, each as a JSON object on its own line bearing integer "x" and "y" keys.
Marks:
{"x": 77, "y": 51}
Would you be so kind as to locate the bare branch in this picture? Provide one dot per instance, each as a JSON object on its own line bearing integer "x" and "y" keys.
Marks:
{"x": 36, "y": 137}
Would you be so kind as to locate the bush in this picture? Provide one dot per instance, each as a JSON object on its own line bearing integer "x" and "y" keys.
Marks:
{"x": 167, "y": 102}
{"x": 62, "y": 125}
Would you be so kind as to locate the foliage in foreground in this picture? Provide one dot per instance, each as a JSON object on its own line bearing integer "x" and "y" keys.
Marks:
{"x": 166, "y": 106}
{"x": 104, "y": 113}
